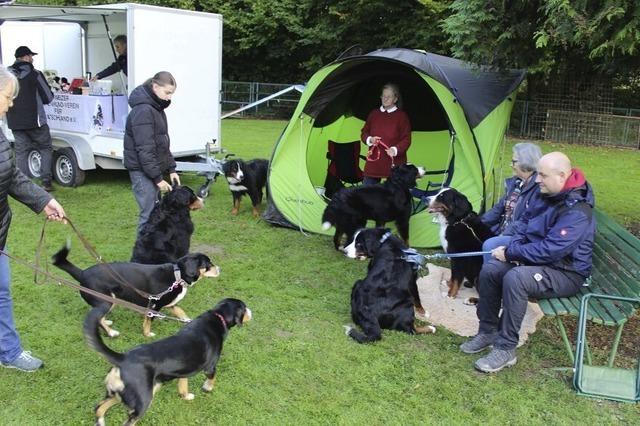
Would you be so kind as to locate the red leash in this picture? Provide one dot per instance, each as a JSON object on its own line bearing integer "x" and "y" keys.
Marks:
{"x": 375, "y": 150}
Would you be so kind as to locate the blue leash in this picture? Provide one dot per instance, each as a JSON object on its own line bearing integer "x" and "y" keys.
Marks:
{"x": 412, "y": 256}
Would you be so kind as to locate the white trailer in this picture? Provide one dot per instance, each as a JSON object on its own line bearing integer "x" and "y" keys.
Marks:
{"x": 88, "y": 130}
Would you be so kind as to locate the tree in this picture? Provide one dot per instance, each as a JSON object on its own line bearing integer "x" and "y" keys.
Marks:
{"x": 550, "y": 37}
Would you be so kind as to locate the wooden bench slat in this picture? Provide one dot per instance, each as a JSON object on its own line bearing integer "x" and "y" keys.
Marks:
{"x": 617, "y": 259}
{"x": 620, "y": 281}
{"x": 606, "y": 223}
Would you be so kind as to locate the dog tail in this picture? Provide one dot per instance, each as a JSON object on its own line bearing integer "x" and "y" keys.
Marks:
{"x": 92, "y": 334}
{"x": 371, "y": 330}
{"x": 60, "y": 260}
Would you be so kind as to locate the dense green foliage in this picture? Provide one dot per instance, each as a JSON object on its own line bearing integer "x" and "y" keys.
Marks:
{"x": 292, "y": 364}
{"x": 288, "y": 40}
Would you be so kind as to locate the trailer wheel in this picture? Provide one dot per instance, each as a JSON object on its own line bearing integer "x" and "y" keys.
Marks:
{"x": 203, "y": 192}
{"x": 34, "y": 163}
{"x": 65, "y": 168}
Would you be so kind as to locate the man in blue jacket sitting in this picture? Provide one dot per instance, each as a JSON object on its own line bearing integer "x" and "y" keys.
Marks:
{"x": 549, "y": 256}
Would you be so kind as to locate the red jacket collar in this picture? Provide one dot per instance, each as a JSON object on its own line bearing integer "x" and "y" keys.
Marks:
{"x": 575, "y": 180}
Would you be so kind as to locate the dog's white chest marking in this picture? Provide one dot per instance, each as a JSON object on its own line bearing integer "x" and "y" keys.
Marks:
{"x": 443, "y": 231}
{"x": 236, "y": 188}
{"x": 178, "y": 298}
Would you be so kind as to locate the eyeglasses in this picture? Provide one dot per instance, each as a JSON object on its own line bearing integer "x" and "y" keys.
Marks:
{"x": 387, "y": 97}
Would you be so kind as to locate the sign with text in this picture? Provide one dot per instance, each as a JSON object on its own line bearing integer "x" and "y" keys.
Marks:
{"x": 87, "y": 114}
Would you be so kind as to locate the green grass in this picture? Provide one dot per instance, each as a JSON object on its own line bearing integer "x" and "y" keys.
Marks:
{"x": 292, "y": 364}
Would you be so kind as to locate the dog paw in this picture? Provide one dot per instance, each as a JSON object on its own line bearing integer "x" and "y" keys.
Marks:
{"x": 113, "y": 333}
{"x": 432, "y": 329}
{"x": 207, "y": 387}
{"x": 108, "y": 322}
{"x": 150, "y": 334}
{"x": 347, "y": 329}
{"x": 188, "y": 397}
{"x": 422, "y": 316}
{"x": 470, "y": 301}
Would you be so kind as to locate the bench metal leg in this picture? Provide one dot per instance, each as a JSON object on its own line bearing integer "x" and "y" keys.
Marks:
{"x": 614, "y": 349}
{"x": 565, "y": 339}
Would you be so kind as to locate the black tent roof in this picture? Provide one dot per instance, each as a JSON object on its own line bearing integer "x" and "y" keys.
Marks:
{"x": 478, "y": 89}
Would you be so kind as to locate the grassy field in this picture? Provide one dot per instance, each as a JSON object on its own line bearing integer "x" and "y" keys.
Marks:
{"x": 292, "y": 364}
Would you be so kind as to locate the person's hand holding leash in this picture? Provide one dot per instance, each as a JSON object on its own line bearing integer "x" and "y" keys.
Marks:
{"x": 164, "y": 186}
{"x": 54, "y": 211}
{"x": 392, "y": 151}
{"x": 173, "y": 177}
{"x": 498, "y": 253}
{"x": 375, "y": 140}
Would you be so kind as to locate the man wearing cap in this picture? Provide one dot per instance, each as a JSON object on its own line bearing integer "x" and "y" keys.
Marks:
{"x": 27, "y": 119}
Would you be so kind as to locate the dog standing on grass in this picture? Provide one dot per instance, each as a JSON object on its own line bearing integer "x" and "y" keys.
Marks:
{"x": 137, "y": 375}
{"x": 246, "y": 178}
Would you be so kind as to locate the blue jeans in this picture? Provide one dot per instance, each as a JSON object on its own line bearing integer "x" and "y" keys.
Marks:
{"x": 10, "y": 346}
{"x": 146, "y": 193}
{"x": 494, "y": 242}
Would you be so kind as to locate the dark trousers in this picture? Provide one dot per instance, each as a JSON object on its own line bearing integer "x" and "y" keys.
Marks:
{"x": 510, "y": 286}
{"x": 38, "y": 139}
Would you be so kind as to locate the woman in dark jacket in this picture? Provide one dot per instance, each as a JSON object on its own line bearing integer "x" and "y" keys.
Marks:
{"x": 147, "y": 154}
{"x": 19, "y": 187}
{"x": 503, "y": 218}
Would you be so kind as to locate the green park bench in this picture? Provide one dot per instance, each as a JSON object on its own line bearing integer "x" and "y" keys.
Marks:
{"x": 616, "y": 276}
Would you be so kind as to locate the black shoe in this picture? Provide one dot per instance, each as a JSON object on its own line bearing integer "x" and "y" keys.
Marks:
{"x": 47, "y": 186}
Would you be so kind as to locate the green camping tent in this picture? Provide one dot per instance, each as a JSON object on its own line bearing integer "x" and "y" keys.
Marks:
{"x": 458, "y": 113}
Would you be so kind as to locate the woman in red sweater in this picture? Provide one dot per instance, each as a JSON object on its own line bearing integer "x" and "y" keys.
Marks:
{"x": 387, "y": 132}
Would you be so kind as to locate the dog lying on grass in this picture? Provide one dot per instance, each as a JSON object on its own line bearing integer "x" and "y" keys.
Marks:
{"x": 137, "y": 375}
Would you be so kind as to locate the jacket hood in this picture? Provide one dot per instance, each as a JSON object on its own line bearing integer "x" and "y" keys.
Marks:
{"x": 576, "y": 189}
{"x": 22, "y": 69}
{"x": 144, "y": 95}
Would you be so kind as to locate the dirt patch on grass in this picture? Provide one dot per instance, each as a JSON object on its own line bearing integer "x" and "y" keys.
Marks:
{"x": 600, "y": 339}
{"x": 634, "y": 228}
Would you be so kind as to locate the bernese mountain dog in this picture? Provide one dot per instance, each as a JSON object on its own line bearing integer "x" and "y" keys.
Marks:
{"x": 388, "y": 297}
{"x": 137, "y": 374}
{"x": 350, "y": 208}
{"x": 166, "y": 237}
{"x": 248, "y": 177}
{"x": 461, "y": 230}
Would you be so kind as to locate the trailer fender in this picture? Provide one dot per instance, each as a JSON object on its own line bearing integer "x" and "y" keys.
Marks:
{"x": 81, "y": 148}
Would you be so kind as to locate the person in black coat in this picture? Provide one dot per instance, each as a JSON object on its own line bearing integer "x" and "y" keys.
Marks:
{"x": 27, "y": 119}
{"x": 120, "y": 46}
{"x": 15, "y": 184}
{"x": 147, "y": 153}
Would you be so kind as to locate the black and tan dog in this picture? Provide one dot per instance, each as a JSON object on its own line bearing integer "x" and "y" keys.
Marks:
{"x": 388, "y": 297}
{"x": 461, "y": 231}
{"x": 350, "y": 208}
{"x": 246, "y": 178}
{"x": 129, "y": 281}
{"x": 136, "y": 375}
{"x": 166, "y": 236}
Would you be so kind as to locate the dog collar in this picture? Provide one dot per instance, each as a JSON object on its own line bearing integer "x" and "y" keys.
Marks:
{"x": 222, "y": 320}
{"x": 412, "y": 256}
{"x": 385, "y": 237}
